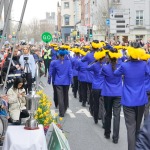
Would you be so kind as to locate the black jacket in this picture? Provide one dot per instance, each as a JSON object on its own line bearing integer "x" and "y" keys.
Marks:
{"x": 6, "y": 64}
{"x": 143, "y": 140}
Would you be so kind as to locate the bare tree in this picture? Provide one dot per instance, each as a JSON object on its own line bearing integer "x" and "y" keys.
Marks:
{"x": 102, "y": 13}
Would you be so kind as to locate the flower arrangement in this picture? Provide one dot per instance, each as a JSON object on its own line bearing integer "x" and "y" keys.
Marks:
{"x": 43, "y": 114}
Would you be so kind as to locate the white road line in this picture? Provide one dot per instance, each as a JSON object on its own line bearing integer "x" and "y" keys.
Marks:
{"x": 85, "y": 111}
{"x": 70, "y": 113}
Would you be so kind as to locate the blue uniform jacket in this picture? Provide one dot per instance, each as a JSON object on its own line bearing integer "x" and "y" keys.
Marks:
{"x": 89, "y": 58}
{"x": 147, "y": 78}
{"x": 53, "y": 54}
{"x": 51, "y": 74}
{"x": 62, "y": 71}
{"x": 81, "y": 67}
{"x": 74, "y": 62}
{"x": 134, "y": 92}
{"x": 98, "y": 79}
{"x": 112, "y": 85}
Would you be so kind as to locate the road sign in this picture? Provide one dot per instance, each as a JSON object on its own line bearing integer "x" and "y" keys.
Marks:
{"x": 108, "y": 22}
{"x": 46, "y": 37}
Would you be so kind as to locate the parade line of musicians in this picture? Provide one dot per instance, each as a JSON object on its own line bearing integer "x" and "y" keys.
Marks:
{"x": 106, "y": 78}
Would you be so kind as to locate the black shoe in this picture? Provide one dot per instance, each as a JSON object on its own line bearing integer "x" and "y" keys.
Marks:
{"x": 91, "y": 112}
{"x": 107, "y": 136}
{"x": 80, "y": 100}
{"x": 96, "y": 121}
{"x": 1, "y": 143}
{"x": 115, "y": 141}
{"x": 10, "y": 120}
{"x": 84, "y": 105}
{"x": 75, "y": 95}
{"x": 61, "y": 115}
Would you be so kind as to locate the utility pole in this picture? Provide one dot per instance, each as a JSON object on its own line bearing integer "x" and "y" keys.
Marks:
{"x": 19, "y": 27}
{"x": 1, "y": 6}
{"x": 7, "y": 4}
{"x": 6, "y": 22}
{"x": 108, "y": 17}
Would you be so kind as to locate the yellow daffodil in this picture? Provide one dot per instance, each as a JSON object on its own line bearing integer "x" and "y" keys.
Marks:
{"x": 39, "y": 110}
{"x": 60, "y": 118}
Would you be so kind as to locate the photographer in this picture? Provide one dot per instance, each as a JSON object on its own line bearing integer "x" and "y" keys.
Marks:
{"x": 28, "y": 65}
{"x": 15, "y": 70}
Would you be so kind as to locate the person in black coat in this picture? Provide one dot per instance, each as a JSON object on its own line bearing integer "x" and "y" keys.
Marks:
{"x": 143, "y": 140}
{"x": 15, "y": 70}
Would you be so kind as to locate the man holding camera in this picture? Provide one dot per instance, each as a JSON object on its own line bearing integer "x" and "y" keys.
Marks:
{"x": 15, "y": 70}
{"x": 28, "y": 65}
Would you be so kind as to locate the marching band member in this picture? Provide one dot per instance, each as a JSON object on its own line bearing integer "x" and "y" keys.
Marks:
{"x": 112, "y": 90}
{"x": 82, "y": 77}
{"x": 62, "y": 70}
{"x": 89, "y": 58}
{"x": 134, "y": 95}
{"x": 97, "y": 83}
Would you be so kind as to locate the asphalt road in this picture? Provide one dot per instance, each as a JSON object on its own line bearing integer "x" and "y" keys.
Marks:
{"x": 80, "y": 129}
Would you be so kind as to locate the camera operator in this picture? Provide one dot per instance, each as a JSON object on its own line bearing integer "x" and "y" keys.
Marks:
{"x": 28, "y": 65}
{"x": 15, "y": 70}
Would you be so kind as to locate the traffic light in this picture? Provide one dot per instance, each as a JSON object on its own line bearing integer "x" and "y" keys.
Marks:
{"x": 78, "y": 34}
{"x": 91, "y": 33}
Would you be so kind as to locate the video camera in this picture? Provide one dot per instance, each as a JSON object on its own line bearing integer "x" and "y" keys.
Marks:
{"x": 26, "y": 58}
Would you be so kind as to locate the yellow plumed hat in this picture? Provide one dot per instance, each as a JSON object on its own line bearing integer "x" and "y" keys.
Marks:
{"x": 145, "y": 57}
{"x": 136, "y": 53}
{"x": 118, "y": 47}
{"x": 82, "y": 52}
{"x": 56, "y": 48}
{"x": 100, "y": 54}
{"x": 96, "y": 45}
{"x": 115, "y": 54}
{"x": 102, "y": 44}
{"x": 87, "y": 46}
{"x": 76, "y": 50}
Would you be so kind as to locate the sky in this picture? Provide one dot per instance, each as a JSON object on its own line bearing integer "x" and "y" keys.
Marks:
{"x": 34, "y": 9}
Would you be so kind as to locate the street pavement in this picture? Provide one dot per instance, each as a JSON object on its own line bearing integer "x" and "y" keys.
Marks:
{"x": 80, "y": 129}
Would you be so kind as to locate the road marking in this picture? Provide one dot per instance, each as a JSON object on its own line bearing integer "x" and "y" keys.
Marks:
{"x": 70, "y": 113}
{"x": 85, "y": 111}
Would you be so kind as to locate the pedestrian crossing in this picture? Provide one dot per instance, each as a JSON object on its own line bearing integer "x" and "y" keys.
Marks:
{"x": 75, "y": 113}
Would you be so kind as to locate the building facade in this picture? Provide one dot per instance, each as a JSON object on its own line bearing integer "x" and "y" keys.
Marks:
{"x": 129, "y": 19}
{"x": 48, "y": 24}
{"x": 67, "y": 19}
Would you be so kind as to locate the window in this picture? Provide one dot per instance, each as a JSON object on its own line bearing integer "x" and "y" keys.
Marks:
{"x": 67, "y": 19}
{"x": 139, "y": 37}
{"x": 139, "y": 18}
{"x": 66, "y": 4}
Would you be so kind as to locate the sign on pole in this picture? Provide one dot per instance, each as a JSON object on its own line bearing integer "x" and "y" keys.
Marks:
{"x": 108, "y": 22}
{"x": 55, "y": 139}
{"x": 46, "y": 37}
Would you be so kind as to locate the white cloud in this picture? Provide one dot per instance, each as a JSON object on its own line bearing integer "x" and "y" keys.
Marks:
{"x": 34, "y": 9}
